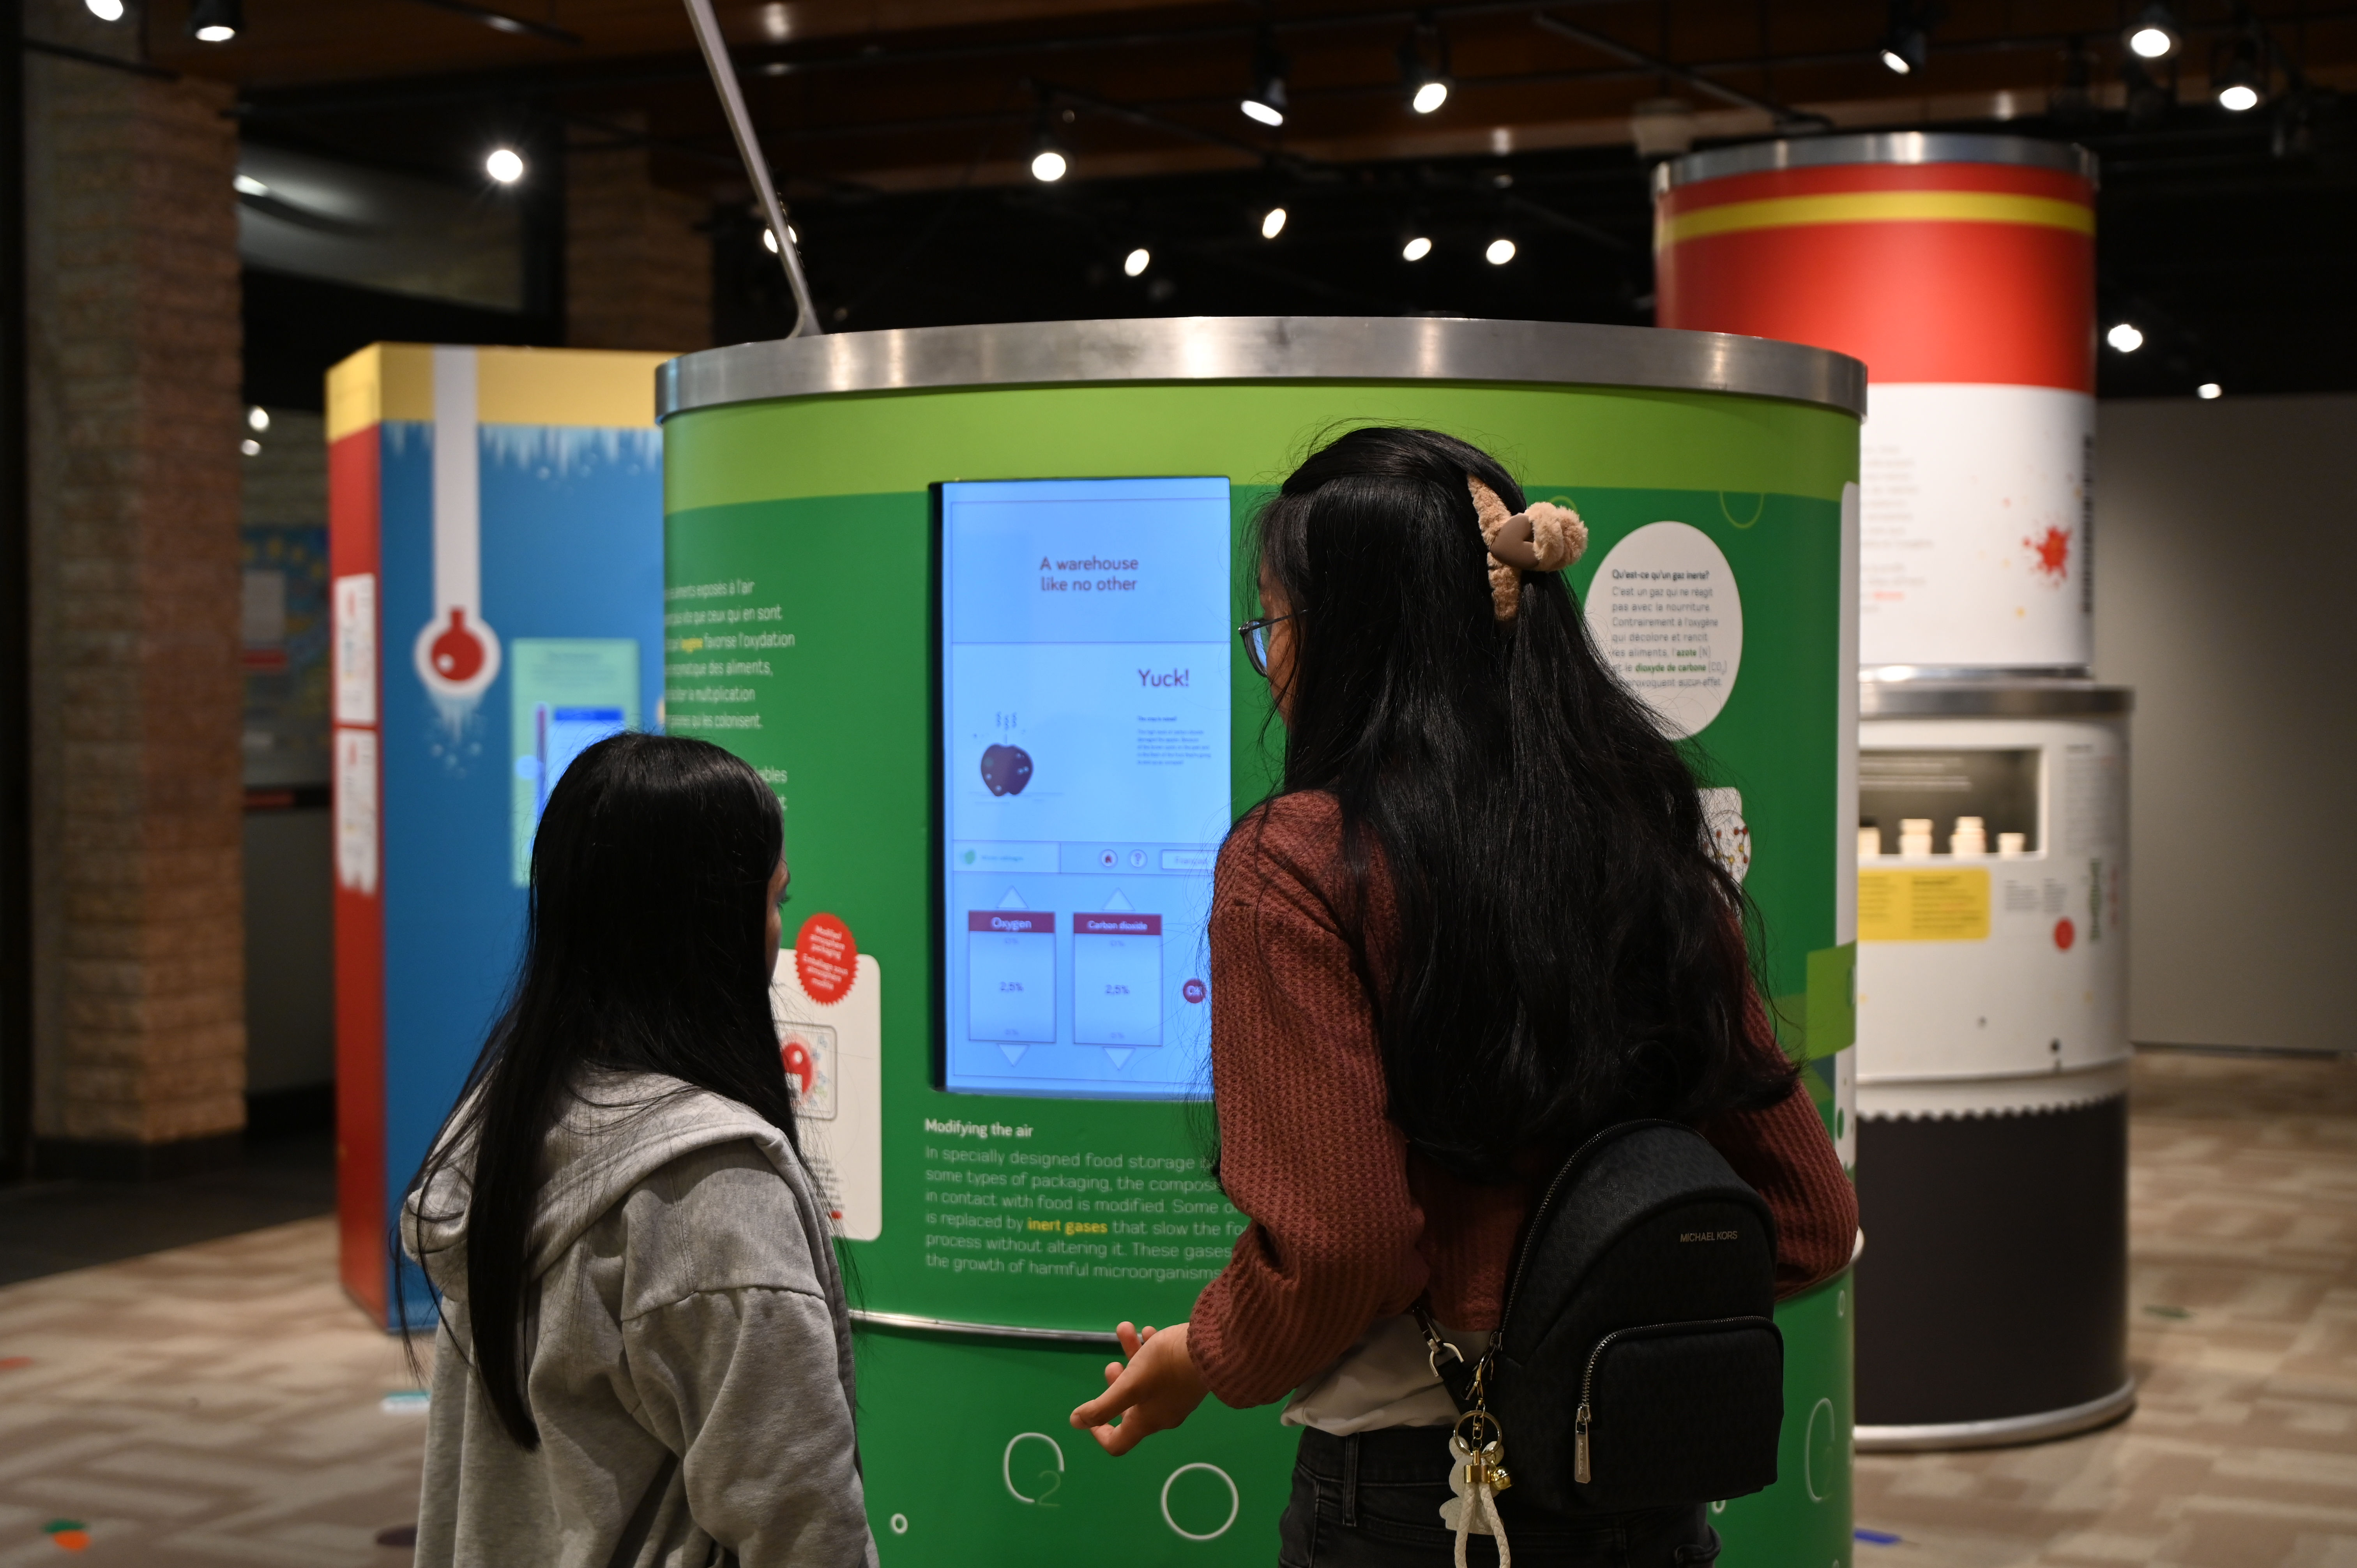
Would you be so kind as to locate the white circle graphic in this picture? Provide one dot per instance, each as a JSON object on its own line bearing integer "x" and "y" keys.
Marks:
{"x": 899, "y": 1524}
{"x": 1006, "y": 1462}
{"x": 1235, "y": 1501}
{"x": 1824, "y": 1407}
{"x": 1666, "y": 614}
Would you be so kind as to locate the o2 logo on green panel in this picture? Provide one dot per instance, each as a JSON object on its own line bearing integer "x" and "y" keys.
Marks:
{"x": 1198, "y": 1500}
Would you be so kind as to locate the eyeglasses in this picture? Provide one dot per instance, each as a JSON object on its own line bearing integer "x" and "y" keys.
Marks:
{"x": 1255, "y": 636}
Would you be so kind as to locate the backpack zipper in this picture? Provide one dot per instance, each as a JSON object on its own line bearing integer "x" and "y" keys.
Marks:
{"x": 1531, "y": 1227}
{"x": 1580, "y": 1421}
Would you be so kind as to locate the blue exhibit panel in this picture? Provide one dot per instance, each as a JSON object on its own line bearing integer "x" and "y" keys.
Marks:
{"x": 1084, "y": 784}
{"x": 571, "y": 564}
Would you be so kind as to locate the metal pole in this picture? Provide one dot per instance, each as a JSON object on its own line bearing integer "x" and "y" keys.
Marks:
{"x": 1786, "y": 117}
{"x": 757, "y": 168}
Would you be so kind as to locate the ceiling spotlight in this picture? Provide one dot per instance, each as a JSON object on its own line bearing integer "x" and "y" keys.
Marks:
{"x": 1273, "y": 224}
{"x": 1048, "y": 161}
{"x": 504, "y": 165}
{"x": 1424, "y": 65}
{"x": 106, "y": 10}
{"x": 246, "y": 185}
{"x": 257, "y": 419}
{"x": 1266, "y": 102}
{"x": 2240, "y": 84}
{"x": 2209, "y": 391}
{"x": 1416, "y": 249}
{"x": 2153, "y": 35}
{"x": 250, "y": 446}
{"x": 1136, "y": 262}
{"x": 1908, "y": 42}
{"x": 2125, "y": 338}
{"x": 216, "y": 21}
{"x": 1500, "y": 252}
{"x": 770, "y": 237}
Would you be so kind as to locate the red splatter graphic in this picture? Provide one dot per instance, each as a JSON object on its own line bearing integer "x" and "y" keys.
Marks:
{"x": 2052, "y": 550}
{"x": 2065, "y": 933}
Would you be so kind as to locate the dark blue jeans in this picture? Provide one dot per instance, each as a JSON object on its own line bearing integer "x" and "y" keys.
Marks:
{"x": 1374, "y": 1501}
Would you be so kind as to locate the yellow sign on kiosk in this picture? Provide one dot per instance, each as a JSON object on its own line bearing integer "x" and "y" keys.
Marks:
{"x": 1923, "y": 906}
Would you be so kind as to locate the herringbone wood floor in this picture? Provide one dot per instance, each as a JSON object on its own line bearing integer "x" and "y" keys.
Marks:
{"x": 211, "y": 1405}
{"x": 2243, "y": 1325}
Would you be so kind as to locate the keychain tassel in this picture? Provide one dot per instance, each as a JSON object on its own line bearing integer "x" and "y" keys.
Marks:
{"x": 1483, "y": 1498}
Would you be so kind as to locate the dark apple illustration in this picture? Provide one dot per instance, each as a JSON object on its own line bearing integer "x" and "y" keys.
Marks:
{"x": 1007, "y": 768}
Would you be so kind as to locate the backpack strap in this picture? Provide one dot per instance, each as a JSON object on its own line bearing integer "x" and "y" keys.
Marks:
{"x": 1448, "y": 1363}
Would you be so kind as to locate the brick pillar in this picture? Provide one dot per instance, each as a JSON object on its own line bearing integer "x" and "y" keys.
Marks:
{"x": 638, "y": 267}
{"x": 138, "y": 895}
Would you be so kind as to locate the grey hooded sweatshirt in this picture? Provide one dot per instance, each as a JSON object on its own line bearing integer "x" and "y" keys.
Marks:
{"x": 688, "y": 1353}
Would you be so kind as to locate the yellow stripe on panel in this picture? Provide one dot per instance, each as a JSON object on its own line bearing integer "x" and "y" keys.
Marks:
{"x": 1876, "y": 206}
{"x": 353, "y": 393}
{"x": 383, "y": 380}
{"x": 566, "y": 386}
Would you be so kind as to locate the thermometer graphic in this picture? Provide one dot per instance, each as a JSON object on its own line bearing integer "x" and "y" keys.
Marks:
{"x": 457, "y": 653}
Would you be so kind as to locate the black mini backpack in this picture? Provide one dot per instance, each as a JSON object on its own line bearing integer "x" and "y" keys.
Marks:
{"x": 1636, "y": 1363}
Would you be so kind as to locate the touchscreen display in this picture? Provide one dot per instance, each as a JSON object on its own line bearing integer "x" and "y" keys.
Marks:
{"x": 1084, "y": 789}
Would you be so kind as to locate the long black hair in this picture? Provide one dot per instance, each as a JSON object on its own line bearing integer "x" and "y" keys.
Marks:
{"x": 1570, "y": 952}
{"x": 643, "y": 951}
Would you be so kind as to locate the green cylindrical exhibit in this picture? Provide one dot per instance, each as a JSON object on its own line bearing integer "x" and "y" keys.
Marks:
{"x": 993, "y": 1239}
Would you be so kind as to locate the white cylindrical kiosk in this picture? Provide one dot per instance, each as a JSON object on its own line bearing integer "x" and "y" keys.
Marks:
{"x": 1993, "y": 1060}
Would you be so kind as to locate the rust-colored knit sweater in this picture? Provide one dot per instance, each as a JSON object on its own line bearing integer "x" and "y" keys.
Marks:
{"x": 1348, "y": 1226}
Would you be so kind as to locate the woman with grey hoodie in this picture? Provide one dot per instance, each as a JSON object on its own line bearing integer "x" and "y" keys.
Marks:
{"x": 643, "y": 1358}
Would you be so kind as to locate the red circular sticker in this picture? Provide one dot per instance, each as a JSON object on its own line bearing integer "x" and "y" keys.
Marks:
{"x": 825, "y": 958}
{"x": 1192, "y": 990}
{"x": 2065, "y": 933}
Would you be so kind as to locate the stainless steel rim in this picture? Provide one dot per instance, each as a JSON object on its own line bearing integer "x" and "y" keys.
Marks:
{"x": 1875, "y": 147}
{"x": 1260, "y": 349}
{"x": 1990, "y": 699}
{"x": 910, "y": 1322}
{"x": 2042, "y": 1427}
{"x": 1972, "y": 673}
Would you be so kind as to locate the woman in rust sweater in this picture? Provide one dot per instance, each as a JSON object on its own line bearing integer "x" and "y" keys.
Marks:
{"x": 1479, "y": 921}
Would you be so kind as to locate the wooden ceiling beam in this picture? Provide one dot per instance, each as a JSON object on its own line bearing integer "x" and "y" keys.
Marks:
{"x": 1153, "y": 88}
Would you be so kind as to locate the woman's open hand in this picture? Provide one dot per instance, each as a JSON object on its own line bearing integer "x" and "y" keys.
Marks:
{"x": 1157, "y": 1390}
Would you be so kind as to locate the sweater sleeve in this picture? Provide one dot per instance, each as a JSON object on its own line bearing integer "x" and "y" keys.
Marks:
{"x": 1785, "y": 1155}
{"x": 741, "y": 1385}
{"x": 1306, "y": 1151}
{"x": 729, "y": 1350}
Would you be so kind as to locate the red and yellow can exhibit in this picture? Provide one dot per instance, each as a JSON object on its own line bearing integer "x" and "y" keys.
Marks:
{"x": 1961, "y": 269}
